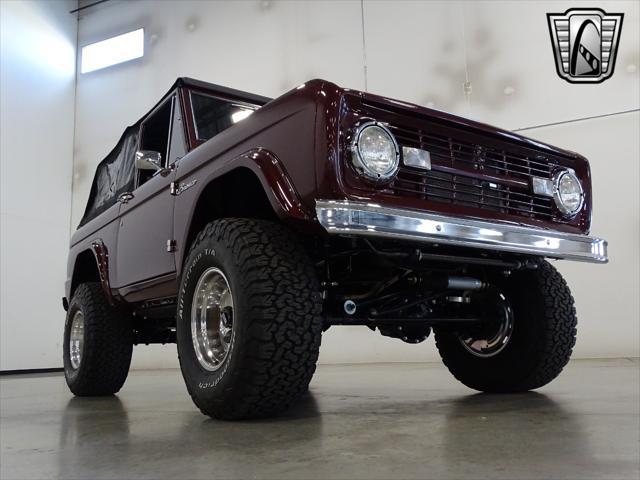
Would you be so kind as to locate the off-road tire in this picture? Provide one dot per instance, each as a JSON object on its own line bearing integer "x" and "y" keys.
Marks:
{"x": 108, "y": 344}
{"x": 276, "y": 320}
{"x": 544, "y": 333}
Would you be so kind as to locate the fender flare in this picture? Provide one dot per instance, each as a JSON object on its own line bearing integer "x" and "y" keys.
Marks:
{"x": 101, "y": 257}
{"x": 275, "y": 181}
{"x": 101, "y": 254}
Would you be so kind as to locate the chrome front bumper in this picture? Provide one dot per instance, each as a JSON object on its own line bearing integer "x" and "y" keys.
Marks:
{"x": 356, "y": 218}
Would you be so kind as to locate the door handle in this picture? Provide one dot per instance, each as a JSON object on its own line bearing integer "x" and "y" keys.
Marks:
{"x": 125, "y": 197}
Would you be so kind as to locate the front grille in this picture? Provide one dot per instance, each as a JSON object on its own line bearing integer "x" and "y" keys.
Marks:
{"x": 473, "y": 175}
{"x": 470, "y": 192}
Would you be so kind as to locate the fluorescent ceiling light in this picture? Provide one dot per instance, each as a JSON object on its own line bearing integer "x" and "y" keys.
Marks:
{"x": 112, "y": 51}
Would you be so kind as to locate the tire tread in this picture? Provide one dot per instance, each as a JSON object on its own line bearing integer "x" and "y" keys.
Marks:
{"x": 108, "y": 344}
{"x": 285, "y": 330}
{"x": 552, "y": 348}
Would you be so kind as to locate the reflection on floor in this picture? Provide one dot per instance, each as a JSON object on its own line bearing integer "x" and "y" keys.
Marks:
{"x": 358, "y": 421}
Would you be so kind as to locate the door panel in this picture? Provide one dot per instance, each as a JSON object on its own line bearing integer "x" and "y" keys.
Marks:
{"x": 146, "y": 223}
{"x": 146, "y": 215}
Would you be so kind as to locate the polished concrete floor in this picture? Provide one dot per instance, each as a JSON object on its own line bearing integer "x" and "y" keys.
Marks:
{"x": 359, "y": 421}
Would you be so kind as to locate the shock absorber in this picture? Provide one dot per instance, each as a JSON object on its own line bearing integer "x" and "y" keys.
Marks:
{"x": 465, "y": 283}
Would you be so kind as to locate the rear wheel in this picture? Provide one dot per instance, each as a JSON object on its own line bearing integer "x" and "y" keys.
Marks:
{"x": 527, "y": 343}
{"x": 98, "y": 342}
{"x": 248, "y": 323}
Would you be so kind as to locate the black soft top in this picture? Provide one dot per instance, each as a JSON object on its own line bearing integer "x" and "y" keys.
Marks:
{"x": 115, "y": 174}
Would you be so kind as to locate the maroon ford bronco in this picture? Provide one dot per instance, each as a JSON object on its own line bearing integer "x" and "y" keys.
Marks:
{"x": 242, "y": 227}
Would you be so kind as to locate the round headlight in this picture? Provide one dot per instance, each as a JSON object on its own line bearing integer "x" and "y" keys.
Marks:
{"x": 569, "y": 195}
{"x": 375, "y": 152}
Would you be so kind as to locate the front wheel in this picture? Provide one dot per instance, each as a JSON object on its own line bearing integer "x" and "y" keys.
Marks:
{"x": 248, "y": 321}
{"x": 527, "y": 344}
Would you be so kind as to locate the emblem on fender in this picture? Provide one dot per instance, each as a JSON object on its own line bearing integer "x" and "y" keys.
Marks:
{"x": 585, "y": 43}
{"x": 177, "y": 188}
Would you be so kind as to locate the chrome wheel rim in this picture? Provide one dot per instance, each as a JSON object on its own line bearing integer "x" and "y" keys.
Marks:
{"x": 212, "y": 319}
{"x": 76, "y": 340}
{"x": 490, "y": 345}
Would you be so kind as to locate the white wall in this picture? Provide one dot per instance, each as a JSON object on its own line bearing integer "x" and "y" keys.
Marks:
{"x": 37, "y": 71}
{"x": 417, "y": 51}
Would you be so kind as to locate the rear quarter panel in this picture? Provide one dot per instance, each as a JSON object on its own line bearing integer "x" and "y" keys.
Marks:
{"x": 103, "y": 230}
